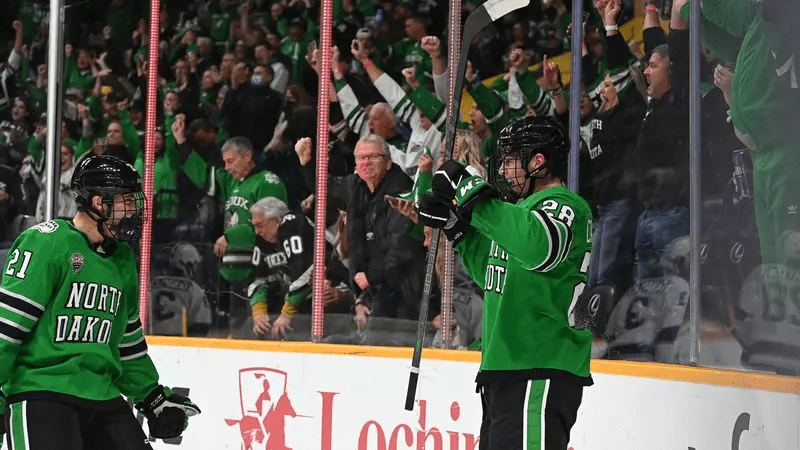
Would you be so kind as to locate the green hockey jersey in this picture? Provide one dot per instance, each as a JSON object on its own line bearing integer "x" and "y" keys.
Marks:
{"x": 531, "y": 260}
{"x": 69, "y": 321}
{"x": 237, "y": 195}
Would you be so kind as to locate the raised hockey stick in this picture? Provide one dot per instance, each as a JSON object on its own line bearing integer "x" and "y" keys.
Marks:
{"x": 479, "y": 18}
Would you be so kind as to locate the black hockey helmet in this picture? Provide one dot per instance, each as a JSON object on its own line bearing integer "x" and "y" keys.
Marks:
{"x": 527, "y": 137}
{"x": 107, "y": 176}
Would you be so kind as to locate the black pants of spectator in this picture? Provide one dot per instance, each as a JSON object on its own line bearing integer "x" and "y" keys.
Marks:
{"x": 528, "y": 414}
{"x": 48, "y": 425}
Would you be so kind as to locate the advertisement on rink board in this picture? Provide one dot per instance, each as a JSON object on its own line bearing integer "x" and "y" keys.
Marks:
{"x": 260, "y": 400}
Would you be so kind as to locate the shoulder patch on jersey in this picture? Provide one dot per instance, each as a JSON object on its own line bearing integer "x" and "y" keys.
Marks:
{"x": 272, "y": 178}
{"x": 46, "y": 227}
{"x": 77, "y": 262}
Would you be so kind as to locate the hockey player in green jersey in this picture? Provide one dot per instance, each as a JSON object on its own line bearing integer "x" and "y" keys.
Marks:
{"x": 527, "y": 242}
{"x": 71, "y": 344}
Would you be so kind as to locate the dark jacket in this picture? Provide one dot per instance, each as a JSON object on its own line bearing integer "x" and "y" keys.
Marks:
{"x": 660, "y": 161}
{"x": 379, "y": 245}
{"x": 615, "y": 139}
{"x": 252, "y": 112}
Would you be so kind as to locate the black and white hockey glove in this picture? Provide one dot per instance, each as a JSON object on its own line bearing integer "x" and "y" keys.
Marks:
{"x": 436, "y": 213}
{"x": 447, "y": 178}
{"x": 470, "y": 192}
{"x": 167, "y": 413}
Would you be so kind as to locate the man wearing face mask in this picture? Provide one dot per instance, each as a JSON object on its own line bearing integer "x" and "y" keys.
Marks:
{"x": 252, "y": 108}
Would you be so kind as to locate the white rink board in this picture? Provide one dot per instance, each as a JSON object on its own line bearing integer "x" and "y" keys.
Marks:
{"x": 343, "y": 402}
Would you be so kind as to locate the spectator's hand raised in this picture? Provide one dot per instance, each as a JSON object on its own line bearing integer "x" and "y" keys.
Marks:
{"x": 608, "y": 95}
{"x": 68, "y": 50}
{"x": 41, "y": 70}
{"x": 281, "y": 325}
{"x": 303, "y": 149}
{"x": 410, "y": 74}
{"x": 359, "y": 52}
{"x": 17, "y": 25}
{"x": 432, "y": 45}
{"x": 216, "y": 75}
{"x": 178, "y": 127}
{"x": 261, "y": 325}
{"x": 611, "y": 12}
{"x": 469, "y": 74}
{"x": 636, "y": 49}
{"x": 107, "y": 31}
{"x": 312, "y": 58}
{"x": 425, "y": 163}
{"x": 123, "y": 104}
{"x": 550, "y": 75}
{"x": 335, "y": 59}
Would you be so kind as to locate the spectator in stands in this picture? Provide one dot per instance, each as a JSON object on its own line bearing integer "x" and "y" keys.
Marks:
{"x": 265, "y": 55}
{"x": 237, "y": 186}
{"x": 420, "y": 110}
{"x": 408, "y": 52}
{"x": 660, "y": 160}
{"x": 65, "y": 200}
{"x": 9, "y": 68}
{"x": 252, "y": 108}
{"x": 286, "y": 249}
{"x": 616, "y": 128}
{"x": 15, "y": 131}
{"x": 384, "y": 260}
{"x": 295, "y": 47}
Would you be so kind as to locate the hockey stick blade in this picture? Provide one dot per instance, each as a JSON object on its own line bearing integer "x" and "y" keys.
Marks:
{"x": 476, "y": 21}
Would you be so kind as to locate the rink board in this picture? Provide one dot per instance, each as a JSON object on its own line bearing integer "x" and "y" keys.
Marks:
{"x": 262, "y": 395}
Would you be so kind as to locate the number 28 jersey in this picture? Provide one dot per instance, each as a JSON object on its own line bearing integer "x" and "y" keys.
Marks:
{"x": 531, "y": 260}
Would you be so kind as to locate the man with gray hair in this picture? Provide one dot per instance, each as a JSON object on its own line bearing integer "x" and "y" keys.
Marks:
{"x": 284, "y": 255}
{"x": 378, "y": 119}
{"x": 238, "y": 186}
{"x": 385, "y": 261}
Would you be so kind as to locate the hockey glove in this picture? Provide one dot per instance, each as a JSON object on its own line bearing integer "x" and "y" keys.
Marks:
{"x": 166, "y": 412}
{"x": 469, "y": 193}
{"x": 435, "y": 213}
{"x": 448, "y": 177}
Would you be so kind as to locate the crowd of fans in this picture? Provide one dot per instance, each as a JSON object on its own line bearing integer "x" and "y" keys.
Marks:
{"x": 237, "y": 122}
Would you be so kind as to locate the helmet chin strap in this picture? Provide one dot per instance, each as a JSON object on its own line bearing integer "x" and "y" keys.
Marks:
{"x": 100, "y": 219}
{"x": 530, "y": 179}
